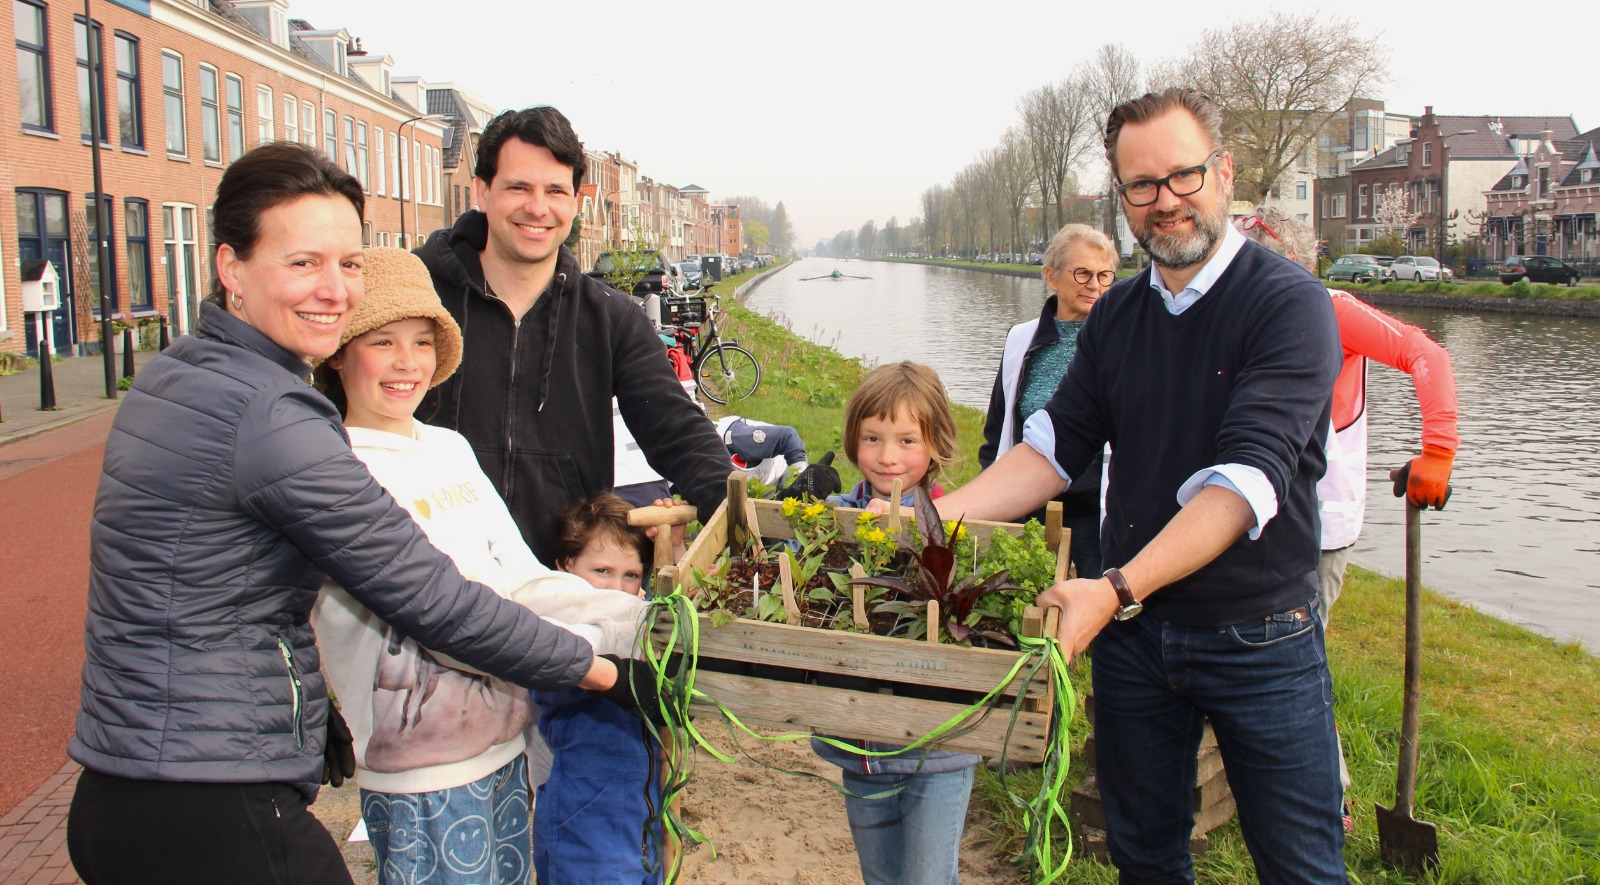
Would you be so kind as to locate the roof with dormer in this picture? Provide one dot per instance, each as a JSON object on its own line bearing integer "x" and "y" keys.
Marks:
{"x": 1583, "y": 150}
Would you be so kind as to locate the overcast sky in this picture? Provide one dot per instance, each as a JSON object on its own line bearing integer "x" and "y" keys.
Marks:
{"x": 847, "y": 111}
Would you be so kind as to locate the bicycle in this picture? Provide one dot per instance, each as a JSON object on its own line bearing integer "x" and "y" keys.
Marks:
{"x": 723, "y": 371}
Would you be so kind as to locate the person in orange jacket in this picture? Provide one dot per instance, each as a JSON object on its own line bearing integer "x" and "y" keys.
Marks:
{"x": 1367, "y": 333}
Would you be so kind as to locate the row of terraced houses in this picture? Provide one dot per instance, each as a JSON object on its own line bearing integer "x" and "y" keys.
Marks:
{"x": 1500, "y": 185}
{"x": 186, "y": 87}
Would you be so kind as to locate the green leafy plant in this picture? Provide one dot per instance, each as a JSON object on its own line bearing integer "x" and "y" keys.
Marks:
{"x": 934, "y": 579}
{"x": 875, "y": 548}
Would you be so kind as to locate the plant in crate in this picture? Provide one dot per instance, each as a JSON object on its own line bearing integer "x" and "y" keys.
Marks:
{"x": 934, "y": 581}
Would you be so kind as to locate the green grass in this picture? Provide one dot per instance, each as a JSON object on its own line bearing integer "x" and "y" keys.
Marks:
{"x": 1510, "y": 724}
{"x": 1482, "y": 288}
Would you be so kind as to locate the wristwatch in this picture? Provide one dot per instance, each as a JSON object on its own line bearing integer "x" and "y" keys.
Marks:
{"x": 1127, "y": 606}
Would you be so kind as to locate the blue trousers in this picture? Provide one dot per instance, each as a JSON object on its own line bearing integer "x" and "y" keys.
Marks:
{"x": 914, "y": 836}
{"x": 1265, "y": 687}
{"x": 475, "y": 834}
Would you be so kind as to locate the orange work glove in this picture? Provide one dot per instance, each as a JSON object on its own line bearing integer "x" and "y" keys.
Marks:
{"x": 1429, "y": 482}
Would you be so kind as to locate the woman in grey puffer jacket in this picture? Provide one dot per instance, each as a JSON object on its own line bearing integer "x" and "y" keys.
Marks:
{"x": 228, "y": 491}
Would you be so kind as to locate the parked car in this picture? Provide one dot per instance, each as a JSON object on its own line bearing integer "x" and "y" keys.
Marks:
{"x": 1420, "y": 268}
{"x": 656, "y": 278}
{"x": 1538, "y": 269}
{"x": 1385, "y": 260}
{"x": 1359, "y": 269}
{"x": 691, "y": 274}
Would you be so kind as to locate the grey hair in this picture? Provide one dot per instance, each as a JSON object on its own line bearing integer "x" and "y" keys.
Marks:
{"x": 1295, "y": 241}
{"x": 1202, "y": 107}
{"x": 1055, "y": 256}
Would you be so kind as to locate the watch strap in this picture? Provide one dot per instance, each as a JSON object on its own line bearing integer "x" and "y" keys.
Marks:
{"x": 1125, "y": 595}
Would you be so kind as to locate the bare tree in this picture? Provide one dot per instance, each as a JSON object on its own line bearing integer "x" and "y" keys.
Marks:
{"x": 867, "y": 239}
{"x": 1281, "y": 80}
{"x": 1013, "y": 181}
{"x": 1110, "y": 78}
{"x": 1059, "y": 130}
{"x": 935, "y": 215}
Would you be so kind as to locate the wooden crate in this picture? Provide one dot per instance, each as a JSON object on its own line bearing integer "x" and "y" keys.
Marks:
{"x": 790, "y": 660}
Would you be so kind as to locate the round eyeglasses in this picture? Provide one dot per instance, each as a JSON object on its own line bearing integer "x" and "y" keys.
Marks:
{"x": 1083, "y": 275}
{"x": 1182, "y": 183}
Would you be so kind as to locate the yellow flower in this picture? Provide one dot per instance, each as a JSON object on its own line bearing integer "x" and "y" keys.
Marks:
{"x": 867, "y": 516}
{"x": 877, "y": 536}
{"x": 815, "y": 510}
{"x": 956, "y": 532}
{"x": 789, "y": 506}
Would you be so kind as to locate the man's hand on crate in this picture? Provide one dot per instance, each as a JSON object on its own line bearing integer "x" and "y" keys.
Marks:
{"x": 1086, "y": 608}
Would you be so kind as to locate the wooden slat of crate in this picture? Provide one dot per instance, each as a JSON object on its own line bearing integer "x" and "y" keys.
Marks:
{"x": 868, "y": 715}
{"x": 881, "y": 658}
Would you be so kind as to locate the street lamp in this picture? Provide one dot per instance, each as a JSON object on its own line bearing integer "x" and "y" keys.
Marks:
{"x": 92, "y": 51}
{"x": 405, "y": 165}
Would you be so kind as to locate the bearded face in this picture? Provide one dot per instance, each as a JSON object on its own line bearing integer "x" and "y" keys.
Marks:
{"x": 1174, "y": 244}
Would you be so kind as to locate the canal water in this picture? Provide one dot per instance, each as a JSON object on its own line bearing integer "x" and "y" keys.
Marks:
{"x": 1520, "y": 538}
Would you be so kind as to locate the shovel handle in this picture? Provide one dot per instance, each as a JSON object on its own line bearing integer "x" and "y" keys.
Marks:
{"x": 1411, "y": 704}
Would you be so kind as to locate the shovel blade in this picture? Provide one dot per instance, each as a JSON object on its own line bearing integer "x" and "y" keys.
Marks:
{"x": 1407, "y": 842}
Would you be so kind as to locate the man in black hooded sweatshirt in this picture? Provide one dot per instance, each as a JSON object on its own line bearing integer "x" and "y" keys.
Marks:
{"x": 546, "y": 347}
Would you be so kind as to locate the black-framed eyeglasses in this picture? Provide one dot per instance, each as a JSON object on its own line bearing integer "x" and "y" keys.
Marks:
{"x": 1083, "y": 275}
{"x": 1182, "y": 183}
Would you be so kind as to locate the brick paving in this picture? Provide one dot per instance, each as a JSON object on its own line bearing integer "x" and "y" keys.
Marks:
{"x": 33, "y": 836}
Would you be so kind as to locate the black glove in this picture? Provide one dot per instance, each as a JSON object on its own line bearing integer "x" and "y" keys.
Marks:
{"x": 338, "y": 750}
{"x": 635, "y": 690}
{"x": 818, "y": 480}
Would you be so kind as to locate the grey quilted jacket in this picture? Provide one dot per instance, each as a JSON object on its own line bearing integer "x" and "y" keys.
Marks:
{"x": 228, "y": 491}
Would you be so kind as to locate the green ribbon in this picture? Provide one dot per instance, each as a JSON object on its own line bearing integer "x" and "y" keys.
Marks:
{"x": 677, "y": 691}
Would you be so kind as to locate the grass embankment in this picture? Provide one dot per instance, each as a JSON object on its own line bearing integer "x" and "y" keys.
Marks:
{"x": 1510, "y": 728}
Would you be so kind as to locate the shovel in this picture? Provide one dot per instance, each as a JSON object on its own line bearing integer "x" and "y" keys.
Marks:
{"x": 1404, "y": 840}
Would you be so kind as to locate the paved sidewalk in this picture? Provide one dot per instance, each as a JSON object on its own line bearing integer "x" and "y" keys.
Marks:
{"x": 33, "y": 836}
{"x": 80, "y": 384}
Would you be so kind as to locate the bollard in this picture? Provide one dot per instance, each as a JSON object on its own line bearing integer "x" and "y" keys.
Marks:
{"x": 127, "y": 353}
{"x": 47, "y": 379}
{"x": 165, "y": 341}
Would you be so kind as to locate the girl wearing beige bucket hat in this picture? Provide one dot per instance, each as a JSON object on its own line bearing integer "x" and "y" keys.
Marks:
{"x": 436, "y": 744}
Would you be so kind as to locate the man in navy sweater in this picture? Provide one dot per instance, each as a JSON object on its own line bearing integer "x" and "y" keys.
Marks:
{"x": 1211, "y": 376}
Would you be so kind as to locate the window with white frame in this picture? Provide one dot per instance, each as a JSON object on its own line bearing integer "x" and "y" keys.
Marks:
{"x": 33, "y": 64}
{"x": 381, "y": 166}
{"x": 350, "y": 163}
{"x": 1338, "y": 206}
{"x": 330, "y": 134}
{"x": 1427, "y": 153}
{"x": 172, "y": 102}
{"x": 308, "y": 124}
{"x": 1301, "y": 190}
{"x": 210, "y": 115}
{"x": 235, "y": 103}
{"x": 291, "y": 119}
{"x": 396, "y": 144}
{"x": 361, "y": 157}
{"x": 1361, "y": 201}
{"x": 264, "y": 112}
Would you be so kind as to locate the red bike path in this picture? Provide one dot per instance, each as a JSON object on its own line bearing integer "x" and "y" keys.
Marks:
{"x": 47, "y": 486}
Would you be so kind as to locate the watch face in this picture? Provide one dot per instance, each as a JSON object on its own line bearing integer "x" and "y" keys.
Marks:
{"x": 1128, "y": 611}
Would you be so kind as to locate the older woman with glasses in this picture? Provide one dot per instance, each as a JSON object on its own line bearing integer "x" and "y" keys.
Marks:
{"x": 1079, "y": 266}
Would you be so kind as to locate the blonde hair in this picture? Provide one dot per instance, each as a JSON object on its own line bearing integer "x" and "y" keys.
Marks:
{"x": 917, "y": 389}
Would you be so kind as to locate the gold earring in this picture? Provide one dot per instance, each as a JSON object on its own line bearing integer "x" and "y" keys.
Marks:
{"x": 237, "y": 300}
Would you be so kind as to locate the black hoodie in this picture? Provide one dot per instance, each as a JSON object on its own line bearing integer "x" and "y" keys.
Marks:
{"x": 534, "y": 398}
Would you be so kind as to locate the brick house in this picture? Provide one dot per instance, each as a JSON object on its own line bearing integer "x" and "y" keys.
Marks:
{"x": 1548, "y": 203}
{"x": 188, "y": 86}
{"x": 1441, "y": 172}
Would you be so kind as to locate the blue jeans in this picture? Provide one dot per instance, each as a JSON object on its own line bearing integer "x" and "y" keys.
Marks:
{"x": 475, "y": 834}
{"x": 914, "y": 836}
{"x": 1265, "y": 687}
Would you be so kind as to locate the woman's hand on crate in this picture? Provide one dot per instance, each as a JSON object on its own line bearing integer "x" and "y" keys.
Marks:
{"x": 1086, "y": 608}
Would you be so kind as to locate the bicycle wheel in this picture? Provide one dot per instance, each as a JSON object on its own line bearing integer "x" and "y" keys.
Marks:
{"x": 727, "y": 373}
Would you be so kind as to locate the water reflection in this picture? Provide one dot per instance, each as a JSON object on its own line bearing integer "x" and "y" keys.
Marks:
{"x": 1521, "y": 536}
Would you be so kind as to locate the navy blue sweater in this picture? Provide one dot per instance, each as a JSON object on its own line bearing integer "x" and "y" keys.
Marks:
{"x": 1244, "y": 376}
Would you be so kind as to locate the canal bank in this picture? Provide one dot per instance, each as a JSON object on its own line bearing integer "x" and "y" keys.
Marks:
{"x": 1498, "y": 698}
